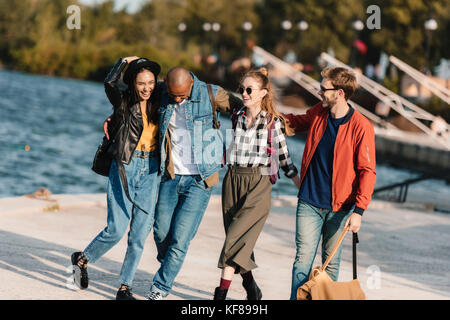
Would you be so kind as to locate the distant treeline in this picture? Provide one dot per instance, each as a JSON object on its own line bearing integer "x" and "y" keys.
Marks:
{"x": 35, "y": 37}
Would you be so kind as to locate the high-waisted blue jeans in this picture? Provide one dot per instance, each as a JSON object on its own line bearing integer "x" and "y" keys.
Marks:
{"x": 143, "y": 184}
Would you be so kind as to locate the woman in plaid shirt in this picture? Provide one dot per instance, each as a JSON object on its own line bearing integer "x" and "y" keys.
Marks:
{"x": 252, "y": 157}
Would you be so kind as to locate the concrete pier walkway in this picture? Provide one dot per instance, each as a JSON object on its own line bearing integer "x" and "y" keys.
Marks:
{"x": 404, "y": 253}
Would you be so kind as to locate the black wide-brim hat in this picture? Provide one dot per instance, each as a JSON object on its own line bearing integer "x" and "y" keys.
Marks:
{"x": 137, "y": 64}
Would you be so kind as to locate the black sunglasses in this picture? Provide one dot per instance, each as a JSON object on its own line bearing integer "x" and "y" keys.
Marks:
{"x": 327, "y": 89}
{"x": 248, "y": 90}
{"x": 184, "y": 96}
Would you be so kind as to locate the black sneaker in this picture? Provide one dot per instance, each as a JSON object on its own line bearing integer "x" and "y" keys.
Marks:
{"x": 80, "y": 274}
{"x": 125, "y": 294}
{"x": 220, "y": 294}
{"x": 253, "y": 291}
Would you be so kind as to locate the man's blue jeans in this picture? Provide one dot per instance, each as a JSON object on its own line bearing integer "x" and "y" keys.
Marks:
{"x": 311, "y": 224}
{"x": 181, "y": 205}
{"x": 143, "y": 184}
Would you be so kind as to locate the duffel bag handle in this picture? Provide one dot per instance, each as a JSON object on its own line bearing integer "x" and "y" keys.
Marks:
{"x": 338, "y": 244}
{"x": 336, "y": 247}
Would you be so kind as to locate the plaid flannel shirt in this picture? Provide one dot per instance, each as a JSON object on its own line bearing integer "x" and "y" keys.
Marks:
{"x": 249, "y": 147}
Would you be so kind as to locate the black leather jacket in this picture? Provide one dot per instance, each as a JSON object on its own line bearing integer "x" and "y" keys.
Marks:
{"x": 126, "y": 115}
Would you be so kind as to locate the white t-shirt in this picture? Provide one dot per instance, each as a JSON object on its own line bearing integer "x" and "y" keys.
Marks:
{"x": 182, "y": 154}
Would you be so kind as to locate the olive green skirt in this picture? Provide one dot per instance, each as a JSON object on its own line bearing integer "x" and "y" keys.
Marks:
{"x": 245, "y": 207}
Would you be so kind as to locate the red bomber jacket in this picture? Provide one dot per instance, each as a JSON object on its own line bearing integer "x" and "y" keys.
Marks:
{"x": 354, "y": 172}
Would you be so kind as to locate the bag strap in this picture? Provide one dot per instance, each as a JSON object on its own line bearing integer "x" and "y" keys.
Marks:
{"x": 355, "y": 240}
{"x": 269, "y": 132}
{"x": 214, "y": 108}
{"x": 123, "y": 178}
{"x": 269, "y": 118}
{"x": 123, "y": 175}
{"x": 234, "y": 117}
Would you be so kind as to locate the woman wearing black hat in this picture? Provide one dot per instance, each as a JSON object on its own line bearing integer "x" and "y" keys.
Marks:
{"x": 134, "y": 130}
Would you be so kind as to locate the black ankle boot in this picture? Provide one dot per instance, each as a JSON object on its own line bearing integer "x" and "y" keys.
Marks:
{"x": 220, "y": 294}
{"x": 253, "y": 291}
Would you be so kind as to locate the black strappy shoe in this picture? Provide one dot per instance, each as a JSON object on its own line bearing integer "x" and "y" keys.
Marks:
{"x": 125, "y": 294}
{"x": 80, "y": 274}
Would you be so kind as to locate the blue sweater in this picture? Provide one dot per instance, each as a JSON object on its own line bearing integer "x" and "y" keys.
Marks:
{"x": 316, "y": 186}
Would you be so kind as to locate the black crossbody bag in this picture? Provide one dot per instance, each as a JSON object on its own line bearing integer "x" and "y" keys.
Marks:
{"x": 103, "y": 157}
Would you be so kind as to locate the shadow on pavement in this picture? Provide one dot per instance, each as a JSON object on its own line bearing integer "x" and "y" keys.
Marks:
{"x": 420, "y": 253}
{"x": 50, "y": 263}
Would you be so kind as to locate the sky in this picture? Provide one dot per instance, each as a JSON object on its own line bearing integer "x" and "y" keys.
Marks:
{"x": 133, "y": 5}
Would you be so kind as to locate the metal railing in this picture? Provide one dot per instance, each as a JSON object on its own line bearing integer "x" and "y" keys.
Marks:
{"x": 433, "y": 86}
{"x": 404, "y": 107}
{"x": 311, "y": 85}
{"x": 403, "y": 186}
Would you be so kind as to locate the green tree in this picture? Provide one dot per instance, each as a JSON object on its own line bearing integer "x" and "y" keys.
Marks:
{"x": 37, "y": 40}
{"x": 403, "y": 34}
{"x": 231, "y": 15}
{"x": 330, "y": 26}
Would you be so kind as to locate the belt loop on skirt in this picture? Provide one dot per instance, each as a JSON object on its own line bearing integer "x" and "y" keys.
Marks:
{"x": 246, "y": 170}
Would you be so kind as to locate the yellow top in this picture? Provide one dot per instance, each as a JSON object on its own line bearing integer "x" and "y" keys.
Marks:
{"x": 148, "y": 140}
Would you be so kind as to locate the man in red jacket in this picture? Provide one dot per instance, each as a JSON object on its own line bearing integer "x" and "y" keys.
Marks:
{"x": 337, "y": 174}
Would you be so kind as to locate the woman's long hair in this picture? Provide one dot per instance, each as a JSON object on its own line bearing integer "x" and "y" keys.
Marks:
{"x": 262, "y": 76}
{"x": 132, "y": 97}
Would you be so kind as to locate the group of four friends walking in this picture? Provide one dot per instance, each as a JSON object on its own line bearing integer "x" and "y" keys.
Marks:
{"x": 171, "y": 149}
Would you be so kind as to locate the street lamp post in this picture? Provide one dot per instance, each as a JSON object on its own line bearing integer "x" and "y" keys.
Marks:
{"x": 206, "y": 27}
{"x": 286, "y": 25}
{"x": 430, "y": 25}
{"x": 215, "y": 27}
{"x": 182, "y": 28}
{"x": 246, "y": 27}
{"x": 302, "y": 26}
{"x": 358, "y": 26}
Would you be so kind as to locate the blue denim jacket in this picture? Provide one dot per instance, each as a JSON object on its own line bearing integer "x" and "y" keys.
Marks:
{"x": 207, "y": 142}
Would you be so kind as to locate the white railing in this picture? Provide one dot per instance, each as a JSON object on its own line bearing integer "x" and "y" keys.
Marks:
{"x": 404, "y": 107}
{"x": 309, "y": 84}
{"x": 433, "y": 86}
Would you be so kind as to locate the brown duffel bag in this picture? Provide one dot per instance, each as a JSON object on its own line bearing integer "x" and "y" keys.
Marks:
{"x": 321, "y": 287}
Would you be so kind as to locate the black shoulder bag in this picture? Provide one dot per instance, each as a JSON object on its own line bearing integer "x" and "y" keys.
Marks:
{"x": 103, "y": 157}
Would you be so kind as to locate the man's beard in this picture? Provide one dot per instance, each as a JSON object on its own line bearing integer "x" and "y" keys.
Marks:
{"x": 329, "y": 103}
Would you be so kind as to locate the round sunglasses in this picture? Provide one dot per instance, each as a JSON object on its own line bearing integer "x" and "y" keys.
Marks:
{"x": 248, "y": 90}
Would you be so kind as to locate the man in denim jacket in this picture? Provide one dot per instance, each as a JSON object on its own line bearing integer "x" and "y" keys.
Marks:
{"x": 191, "y": 149}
